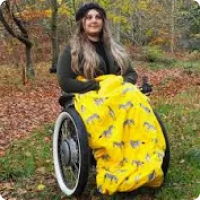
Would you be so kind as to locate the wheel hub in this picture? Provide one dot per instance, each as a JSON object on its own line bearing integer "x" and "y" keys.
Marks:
{"x": 69, "y": 152}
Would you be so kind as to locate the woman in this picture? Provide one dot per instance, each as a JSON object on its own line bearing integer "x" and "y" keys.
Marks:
{"x": 91, "y": 53}
{"x": 123, "y": 132}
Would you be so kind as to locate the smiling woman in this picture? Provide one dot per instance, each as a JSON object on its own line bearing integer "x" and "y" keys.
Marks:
{"x": 92, "y": 52}
{"x": 93, "y": 24}
{"x": 111, "y": 113}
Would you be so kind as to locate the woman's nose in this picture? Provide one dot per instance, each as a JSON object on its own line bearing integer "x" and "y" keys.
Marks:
{"x": 94, "y": 19}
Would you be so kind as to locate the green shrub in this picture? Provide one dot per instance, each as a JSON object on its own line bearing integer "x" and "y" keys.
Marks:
{"x": 153, "y": 53}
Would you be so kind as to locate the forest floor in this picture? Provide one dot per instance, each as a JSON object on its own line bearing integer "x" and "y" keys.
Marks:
{"x": 26, "y": 126}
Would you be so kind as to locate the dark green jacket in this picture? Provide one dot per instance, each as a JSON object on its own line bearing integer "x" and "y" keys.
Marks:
{"x": 67, "y": 78}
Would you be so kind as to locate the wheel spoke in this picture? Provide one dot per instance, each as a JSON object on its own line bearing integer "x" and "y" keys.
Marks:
{"x": 75, "y": 166}
{"x": 65, "y": 129}
{"x": 73, "y": 174}
{"x": 70, "y": 177}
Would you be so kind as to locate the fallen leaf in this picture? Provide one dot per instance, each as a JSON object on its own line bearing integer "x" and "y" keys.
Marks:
{"x": 41, "y": 170}
{"x": 182, "y": 161}
{"x": 40, "y": 187}
{"x": 47, "y": 139}
{"x": 2, "y": 153}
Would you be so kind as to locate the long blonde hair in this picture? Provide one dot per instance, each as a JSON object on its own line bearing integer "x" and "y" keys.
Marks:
{"x": 84, "y": 59}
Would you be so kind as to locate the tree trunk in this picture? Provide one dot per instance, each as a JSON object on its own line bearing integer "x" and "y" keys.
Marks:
{"x": 29, "y": 63}
{"x": 118, "y": 26}
{"x": 22, "y": 36}
{"x": 172, "y": 27}
{"x": 54, "y": 36}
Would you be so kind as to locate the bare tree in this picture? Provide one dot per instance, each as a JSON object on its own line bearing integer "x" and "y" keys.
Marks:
{"x": 18, "y": 31}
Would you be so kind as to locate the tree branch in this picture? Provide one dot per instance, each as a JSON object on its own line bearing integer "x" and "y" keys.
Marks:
{"x": 6, "y": 25}
{"x": 9, "y": 29}
{"x": 20, "y": 25}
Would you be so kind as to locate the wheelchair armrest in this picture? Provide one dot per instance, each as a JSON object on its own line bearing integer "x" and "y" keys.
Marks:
{"x": 146, "y": 88}
{"x": 66, "y": 99}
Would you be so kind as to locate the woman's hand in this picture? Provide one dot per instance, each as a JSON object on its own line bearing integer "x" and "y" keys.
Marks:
{"x": 103, "y": 77}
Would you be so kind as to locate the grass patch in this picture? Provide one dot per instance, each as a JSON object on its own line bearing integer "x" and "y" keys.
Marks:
{"x": 181, "y": 118}
{"x": 162, "y": 65}
{"x": 192, "y": 66}
{"x": 27, "y": 164}
{"x": 25, "y": 157}
{"x": 189, "y": 67}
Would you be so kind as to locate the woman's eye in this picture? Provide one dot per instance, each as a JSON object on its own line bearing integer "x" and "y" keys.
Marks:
{"x": 88, "y": 17}
{"x": 98, "y": 17}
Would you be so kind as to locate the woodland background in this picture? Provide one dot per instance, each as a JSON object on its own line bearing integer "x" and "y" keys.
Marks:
{"x": 34, "y": 31}
{"x": 163, "y": 40}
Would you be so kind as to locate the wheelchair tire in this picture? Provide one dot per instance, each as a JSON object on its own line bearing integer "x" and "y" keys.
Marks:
{"x": 76, "y": 156}
{"x": 166, "y": 159}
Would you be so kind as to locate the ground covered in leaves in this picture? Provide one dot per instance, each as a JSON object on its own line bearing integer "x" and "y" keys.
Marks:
{"x": 26, "y": 109}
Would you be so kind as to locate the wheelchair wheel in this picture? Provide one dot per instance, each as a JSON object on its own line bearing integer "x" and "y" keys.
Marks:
{"x": 166, "y": 159}
{"x": 71, "y": 153}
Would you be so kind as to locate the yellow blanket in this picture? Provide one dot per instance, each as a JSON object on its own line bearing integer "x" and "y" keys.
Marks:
{"x": 124, "y": 134}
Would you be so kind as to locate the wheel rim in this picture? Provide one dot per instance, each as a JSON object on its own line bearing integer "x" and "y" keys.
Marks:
{"x": 67, "y": 157}
{"x": 68, "y": 152}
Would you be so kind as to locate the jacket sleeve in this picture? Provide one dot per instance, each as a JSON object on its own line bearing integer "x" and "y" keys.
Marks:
{"x": 67, "y": 78}
{"x": 130, "y": 75}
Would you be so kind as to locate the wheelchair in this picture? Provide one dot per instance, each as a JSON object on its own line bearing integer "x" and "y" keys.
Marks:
{"x": 71, "y": 153}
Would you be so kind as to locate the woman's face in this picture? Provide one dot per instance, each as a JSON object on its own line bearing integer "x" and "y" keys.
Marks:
{"x": 93, "y": 23}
